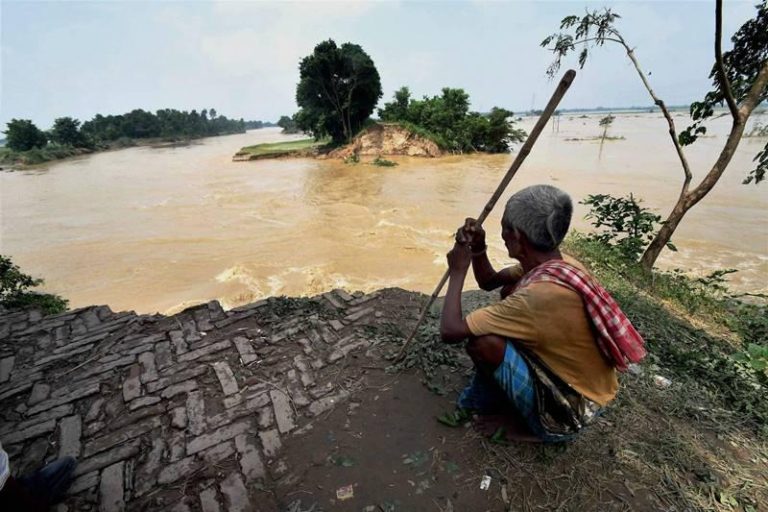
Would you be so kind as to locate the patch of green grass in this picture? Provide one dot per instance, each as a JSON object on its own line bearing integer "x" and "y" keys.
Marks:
{"x": 280, "y": 148}
{"x": 383, "y": 162}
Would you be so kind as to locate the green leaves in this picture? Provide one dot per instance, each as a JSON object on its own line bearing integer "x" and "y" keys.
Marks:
{"x": 447, "y": 121}
{"x": 592, "y": 29}
{"x": 338, "y": 89}
{"x": 15, "y": 293}
{"x": 627, "y": 226}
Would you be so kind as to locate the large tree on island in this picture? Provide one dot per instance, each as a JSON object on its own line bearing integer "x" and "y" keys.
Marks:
{"x": 739, "y": 80}
{"x": 337, "y": 91}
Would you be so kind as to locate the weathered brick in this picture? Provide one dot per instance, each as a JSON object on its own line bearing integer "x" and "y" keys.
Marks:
{"x": 178, "y": 342}
{"x": 143, "y": 402}
{"x": 94, "y": 410}
{"x": 217, "y": 453}
{"x": 284, "y": 415}
{"x": 342, "y": 350}
{"x": 51, "y": 414}
{"x": 335, "y": 302}
{"x": 354, "y": 317}
{"x": 124, "y": 420}
{"x": 270, "y": 441}
{"x": 204, "y": 351}
{"x": 111, "y": 489}
{"x": 266, "y": 417}
{"x": 66, "y": 355}
{"x": 83, "y": 483}
{"x": 343, "y": 294}
{"x": 327, "y": 403}
{"x": 104, "y": 442}
{"x": 6, "y": 366}
{"x": 146, "y": 475}
{"x": 40, "y": 392}
{"x": 148, "y": 368}
{"x": 244, "y": 347}
{"x": 179, "y": 417}
{"x": 218, "y": 436}
{"x": 177, "y": 446}
{"x": 70, "y": 430}
{"x": 30, "y": 432}
{"x": 182, "y": 387}
{"x": 226, "y": 377}
{"x": 163, "y": 356}
{"x": 209, "y": 501}
{"x": 195, "y": 412}
{"x": 179, "y": 469}
{"x": 235, "y": 494}
{"x": 175, "y": 377}
{"x": 132, "y": 384}
{"x": 15, "y": 390}
{"x": 103, "y": 368}
{"x": 250, "y": 460}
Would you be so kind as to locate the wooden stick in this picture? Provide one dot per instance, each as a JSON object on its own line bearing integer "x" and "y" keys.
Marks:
{"x": 562, "y": 88}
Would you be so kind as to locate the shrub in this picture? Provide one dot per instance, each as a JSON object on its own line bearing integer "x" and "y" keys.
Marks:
{"x": 627, "y": 225}
{"x": 14, "y": 290}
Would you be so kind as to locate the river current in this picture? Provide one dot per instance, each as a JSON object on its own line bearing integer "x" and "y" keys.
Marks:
{"x": 157, "y": 229}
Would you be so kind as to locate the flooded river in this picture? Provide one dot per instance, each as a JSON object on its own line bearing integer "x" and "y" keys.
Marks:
{"x": 155, "y": 229}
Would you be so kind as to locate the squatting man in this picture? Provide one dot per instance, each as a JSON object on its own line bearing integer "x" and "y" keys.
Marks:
{"x": 546, "y": 355}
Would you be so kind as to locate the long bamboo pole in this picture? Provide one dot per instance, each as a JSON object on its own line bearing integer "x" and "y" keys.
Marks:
{"x": 562, "y": 88}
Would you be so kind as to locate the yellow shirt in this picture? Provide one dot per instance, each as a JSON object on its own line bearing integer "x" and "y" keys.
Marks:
{"x": 550, "y": 321}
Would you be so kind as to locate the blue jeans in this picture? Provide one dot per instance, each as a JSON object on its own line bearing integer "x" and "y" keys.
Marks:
{"x": 50, "y": 483}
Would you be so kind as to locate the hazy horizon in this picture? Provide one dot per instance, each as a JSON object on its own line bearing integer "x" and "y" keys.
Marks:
{"x": 241, "y": 58}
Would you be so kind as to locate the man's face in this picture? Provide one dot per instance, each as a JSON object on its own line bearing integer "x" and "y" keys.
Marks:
{"x": 511, "y": 241}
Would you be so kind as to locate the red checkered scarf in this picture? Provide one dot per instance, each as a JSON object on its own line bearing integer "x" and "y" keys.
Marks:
{"x": 616, "y": 337}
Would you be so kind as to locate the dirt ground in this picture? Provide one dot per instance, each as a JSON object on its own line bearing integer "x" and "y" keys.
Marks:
{"x": 655, "y": 448}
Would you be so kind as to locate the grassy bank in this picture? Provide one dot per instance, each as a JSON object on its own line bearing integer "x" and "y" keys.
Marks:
{"x": 36, "y": 156}
{"x": 277, "y": 149}
{"x": 712, "y": 343}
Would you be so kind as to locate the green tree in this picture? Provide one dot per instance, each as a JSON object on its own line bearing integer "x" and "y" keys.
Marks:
{"x": 66, "y": 131}
{"x": 15, "y": 293}
{"x": 288, "y": 124}
{"x": 337, "y": 91}
{"x": 448, "y": 121}
{"x": 23, "y": 135}
{"x": 397, "y": 110}
{"x": 739, "y": 80}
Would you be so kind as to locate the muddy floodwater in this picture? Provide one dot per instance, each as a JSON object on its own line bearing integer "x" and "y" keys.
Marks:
{"x": 156, "y": 229}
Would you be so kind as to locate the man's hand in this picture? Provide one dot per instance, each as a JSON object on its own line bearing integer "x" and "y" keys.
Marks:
{"x": 459, "y": 258}
{"x": 471, "y": 233}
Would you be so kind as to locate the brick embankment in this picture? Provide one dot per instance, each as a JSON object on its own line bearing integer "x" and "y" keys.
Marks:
{"x": 180, "y": 413}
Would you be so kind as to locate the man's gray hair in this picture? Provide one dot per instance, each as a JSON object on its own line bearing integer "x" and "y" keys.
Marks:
{"x": 542, "y": 212}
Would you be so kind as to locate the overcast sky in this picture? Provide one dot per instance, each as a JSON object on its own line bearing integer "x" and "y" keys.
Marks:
{"x": 83, "y": 58}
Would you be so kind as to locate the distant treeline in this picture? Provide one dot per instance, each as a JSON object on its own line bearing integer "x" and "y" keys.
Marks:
{"x": 165, "y": 123}
{"x": 255, "y": 125}
{"x": 26, "y": 143}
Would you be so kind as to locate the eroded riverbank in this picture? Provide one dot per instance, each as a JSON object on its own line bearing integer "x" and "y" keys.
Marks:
{"x": 155, "y": 229}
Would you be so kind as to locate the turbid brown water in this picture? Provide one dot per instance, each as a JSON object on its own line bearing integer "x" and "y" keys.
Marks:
{"x": 154, "y": 229}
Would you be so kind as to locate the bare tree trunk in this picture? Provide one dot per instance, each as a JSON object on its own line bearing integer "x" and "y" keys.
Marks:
{"x": 688, "y": 199}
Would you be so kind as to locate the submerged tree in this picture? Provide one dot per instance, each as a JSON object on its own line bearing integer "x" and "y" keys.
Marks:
{"x": 606, "y": 123}
{"x": 739, "y": 80}
{"x": 338, "y": 89}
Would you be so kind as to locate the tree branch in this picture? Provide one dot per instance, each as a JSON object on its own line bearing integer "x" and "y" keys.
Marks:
{"x": 725, "y": 84}
{"x": 667, "y": 116}
{"x": 753, "y": 96}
